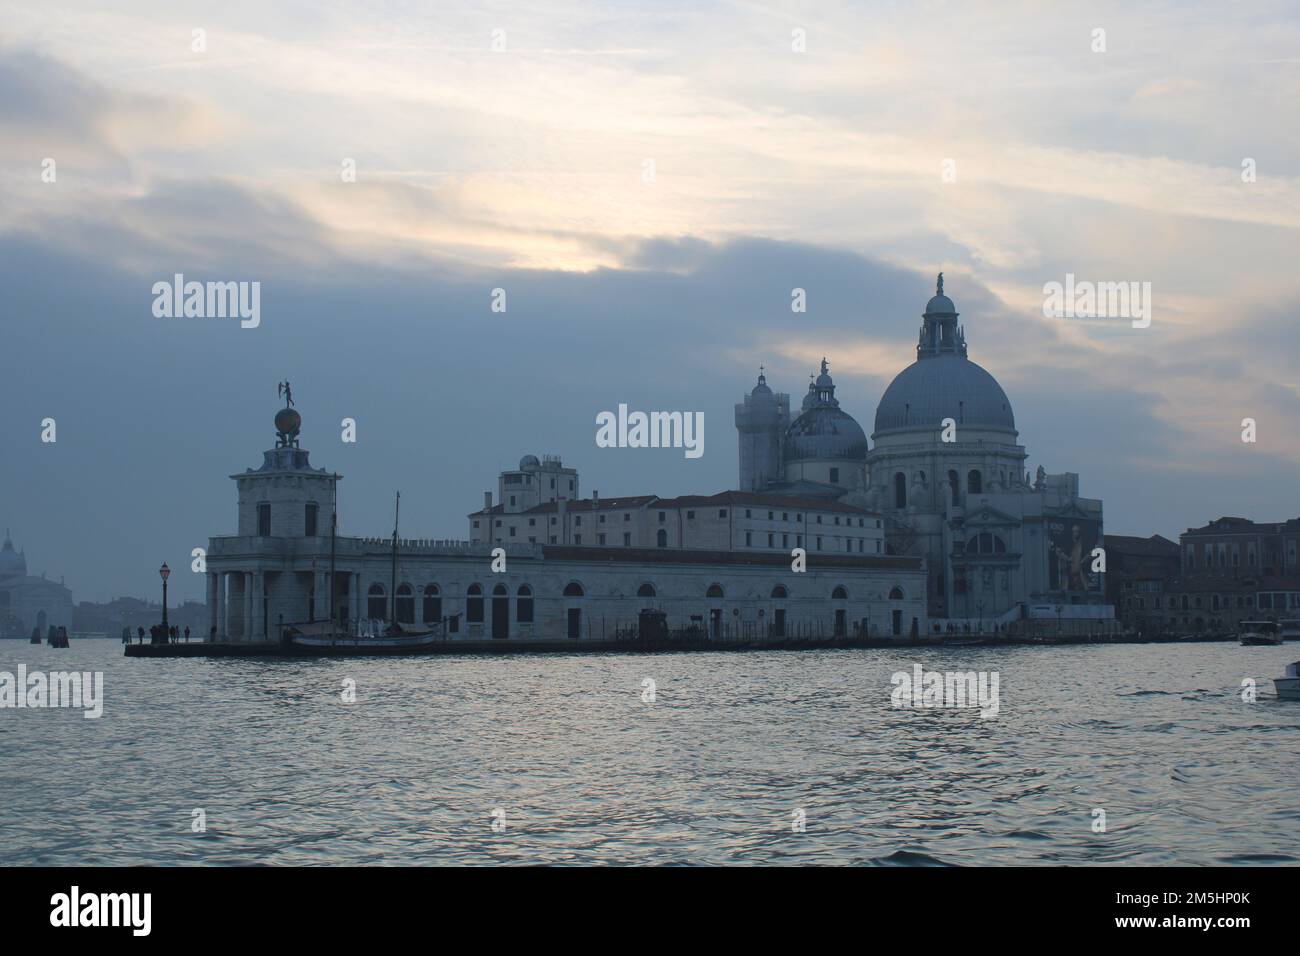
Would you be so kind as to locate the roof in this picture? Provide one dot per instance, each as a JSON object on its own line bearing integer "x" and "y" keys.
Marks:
{"x": 1233, "y": 525}
{"x": 1155, "y": 546}
{"x": 778, "y": 559}
{"x": 755, "y": 498}
{"x": 943, "y": 386}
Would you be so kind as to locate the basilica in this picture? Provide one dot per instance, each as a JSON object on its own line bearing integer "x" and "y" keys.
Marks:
{"x": 945, "y": 472}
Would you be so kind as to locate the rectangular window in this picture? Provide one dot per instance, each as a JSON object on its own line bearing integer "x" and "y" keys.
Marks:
{"x": 476, "y": 524}
{"x": 819, "y": 542}
{"x": 512, "y": 531}
{"x": 835, "y": 476}
{"x": 722, "y": 512}
{"x": 600, "y": 539}
{"x": 748, "y": 514}
{"x": 627, "y": 517}
{"x": 771, "y": 540}
{"x": 311, "y": 519}
{"x": 552, "y": 539}
{"x": 785, "y": 541}
{"x": 749, "y": 539}
{"x": 577, "y": 520}
{"x": 498, "y": 522}
{"x": 532, "y": 522}
{"x": 663, "y": 516}
{"x": 690, "y": 514}
{"x": 512, "y": 501}
{"x": 627, "y": 539}
{"x": 264, "y": 520}
{"x": 577, "y": 539}
{"x": 602, "y": 520}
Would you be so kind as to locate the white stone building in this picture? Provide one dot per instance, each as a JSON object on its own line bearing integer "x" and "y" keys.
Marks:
{"x": 577, "y": 568}
{"x": 947, "y": 474}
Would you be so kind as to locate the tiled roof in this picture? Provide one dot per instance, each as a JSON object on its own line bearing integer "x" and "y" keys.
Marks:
{"x": 746, "y": 558}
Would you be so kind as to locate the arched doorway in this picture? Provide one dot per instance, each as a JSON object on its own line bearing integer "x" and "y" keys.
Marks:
{"x": 779, "y": 593}
{"x": 376, "y": 603}
{"x": 573, "y": 613}
{"x": 500, "y": 612}
{"x": 841, "y": 594}
{"x": 714, "y": 595}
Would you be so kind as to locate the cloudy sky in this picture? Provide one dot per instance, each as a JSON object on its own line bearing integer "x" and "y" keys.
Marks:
{"x": 647, "y": 181}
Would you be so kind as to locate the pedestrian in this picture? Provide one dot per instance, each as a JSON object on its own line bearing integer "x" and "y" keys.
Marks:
{"x": 141, "y": 630}
{"x": 187, "y": 633}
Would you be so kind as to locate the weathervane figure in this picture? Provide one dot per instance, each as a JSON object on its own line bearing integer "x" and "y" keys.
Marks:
{"x": 283, "y": 389}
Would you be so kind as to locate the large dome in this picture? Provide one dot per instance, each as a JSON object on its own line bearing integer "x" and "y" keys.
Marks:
{"x": 944, "y": 386}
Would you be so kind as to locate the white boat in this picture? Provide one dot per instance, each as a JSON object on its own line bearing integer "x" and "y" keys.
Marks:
{"x": 1255, "y": 633}
{"x": 320, "y": 637}
{"x": 1288, "y": 687}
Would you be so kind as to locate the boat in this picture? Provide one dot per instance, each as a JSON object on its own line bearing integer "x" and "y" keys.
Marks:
{"x": 1259, "y": 633}
{"x": 326, "y": 637}
{"x": 1290, "y": 630}
{"x": 1288, "y": 687}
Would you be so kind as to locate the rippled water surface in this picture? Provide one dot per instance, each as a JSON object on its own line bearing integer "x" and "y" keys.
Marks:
{"x": 711, "y": 772}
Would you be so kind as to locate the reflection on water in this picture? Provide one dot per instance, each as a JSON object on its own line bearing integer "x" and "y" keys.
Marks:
{"x": 711, "y": 772}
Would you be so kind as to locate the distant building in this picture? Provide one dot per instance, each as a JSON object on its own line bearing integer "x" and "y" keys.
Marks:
{"x": 28, "y": 602}
{"x": 1138, "y": 574}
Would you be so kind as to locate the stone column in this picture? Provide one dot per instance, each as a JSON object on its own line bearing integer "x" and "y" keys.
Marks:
{"x": 259, "y": 624}
{"x": 248, "y": 605}
{"x": 212, "y": 602}
{"x": 221, "y": 608}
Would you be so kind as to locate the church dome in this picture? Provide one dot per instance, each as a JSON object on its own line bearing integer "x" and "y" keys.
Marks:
{"x": 824, "y": 430}
{"x": 943, "y": 382}
{"x": 529, "y": 461}
{"x": 11, "y": 562}
{"x": 944, "y": 386}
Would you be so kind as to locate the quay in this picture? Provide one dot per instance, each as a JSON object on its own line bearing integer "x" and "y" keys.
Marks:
{"x": 618, "y": 646}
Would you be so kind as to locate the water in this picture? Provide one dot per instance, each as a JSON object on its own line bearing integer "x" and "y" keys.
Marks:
{"x": 586, "y": 772}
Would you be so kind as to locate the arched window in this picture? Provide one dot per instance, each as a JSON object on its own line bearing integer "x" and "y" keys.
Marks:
{"x": 474, "y": 604}
{"x": 779, "y": 592}
{"x": 524, "y": 605}
{"x": 714, "y": 591}
{"x": 955, "y": 484}
{"x": 661, "y": 538}
{"x": 500, "y": 591}
{"x": 405, "y": 604}
{"x": 840, "y": 594}
{"x": 896, "y": 594}
{"x": 900, "y": 490}
{"x": 974, "y": 484}
{"x": 376, "y": 604}
{"x": 646, "y": 590}
{"x": 573, "y": 589}
{"x": 432, "y": 604}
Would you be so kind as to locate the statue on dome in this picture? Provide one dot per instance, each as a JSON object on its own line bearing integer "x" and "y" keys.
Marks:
{"x": 283, "y": 390}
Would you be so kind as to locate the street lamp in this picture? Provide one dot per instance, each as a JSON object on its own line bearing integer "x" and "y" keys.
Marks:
{"x": 164, "y": 572}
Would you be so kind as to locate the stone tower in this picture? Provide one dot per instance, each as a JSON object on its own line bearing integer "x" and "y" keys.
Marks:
{"x": 761, "y": 420}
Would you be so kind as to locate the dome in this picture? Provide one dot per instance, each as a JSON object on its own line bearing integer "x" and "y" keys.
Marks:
{"x": 529, "y": 461}
{"x": 10, "y": 561}
{"x": 944, "y": 386}
{"x": 824, "y": 430}
{"x": 940, "y": 305}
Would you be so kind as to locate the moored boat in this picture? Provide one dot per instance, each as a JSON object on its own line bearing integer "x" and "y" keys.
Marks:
{"x": 1258, "y": 633}
{"x": 1288, "y": 687}
{"x": 1290, "y": 630}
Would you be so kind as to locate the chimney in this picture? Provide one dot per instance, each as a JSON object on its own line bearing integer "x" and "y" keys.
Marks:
{"x": 595, "y": 499}
{"x": 487, "y": 501}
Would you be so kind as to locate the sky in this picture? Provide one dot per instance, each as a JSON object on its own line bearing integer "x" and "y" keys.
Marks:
{"x": 647, "y": 182}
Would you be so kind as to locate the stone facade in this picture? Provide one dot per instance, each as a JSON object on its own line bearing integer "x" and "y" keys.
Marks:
{"x": 28, "y": 601}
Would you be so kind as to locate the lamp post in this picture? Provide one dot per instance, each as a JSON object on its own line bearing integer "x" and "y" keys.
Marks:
{"x": 164, "y": 572}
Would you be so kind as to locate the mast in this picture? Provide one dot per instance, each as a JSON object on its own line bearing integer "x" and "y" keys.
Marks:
{"x": 334, "y": 528}
{"x": 396, "y": 510}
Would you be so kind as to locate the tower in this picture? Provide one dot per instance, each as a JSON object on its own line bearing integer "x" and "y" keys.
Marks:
{"x": 761, "y": 421}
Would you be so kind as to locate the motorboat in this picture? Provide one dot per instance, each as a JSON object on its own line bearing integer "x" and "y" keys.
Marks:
{"x": 1259, "y": 633}
{"x": 1288, "y": 687}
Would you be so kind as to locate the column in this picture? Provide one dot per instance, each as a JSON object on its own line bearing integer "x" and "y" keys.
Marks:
{"x": 221, "y": 610}
{"x": 248, "y": 605}
{"x": 212, "y": 603}
{"x": 259, "y": 621}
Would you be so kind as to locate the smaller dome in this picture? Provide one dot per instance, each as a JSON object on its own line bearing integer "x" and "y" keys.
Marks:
{"x": 528, "y": 461}
{"x": 288, "y": 421}
{"x": 940, "y": 305}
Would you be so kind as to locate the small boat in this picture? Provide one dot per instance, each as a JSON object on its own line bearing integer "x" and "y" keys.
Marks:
{"x": 1259, "y": 633}
{"x": 321, "y": 638}
{"x": 1290, "y": 630}
{"x": 1288, "y": 687}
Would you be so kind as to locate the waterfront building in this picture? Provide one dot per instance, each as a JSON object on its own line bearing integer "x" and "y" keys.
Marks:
{"x": 29, "y": 601}
{"x": 1138, "y": 574}
{"x": 564, "y": 576}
